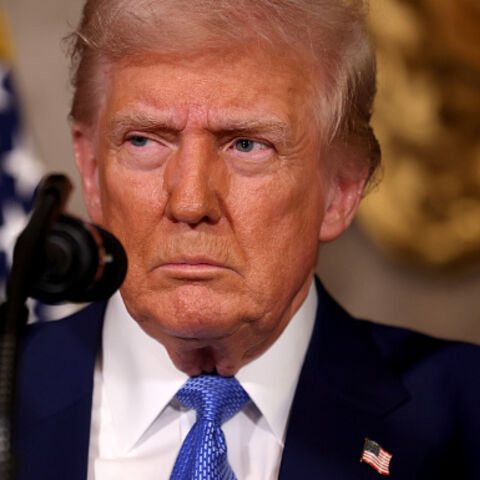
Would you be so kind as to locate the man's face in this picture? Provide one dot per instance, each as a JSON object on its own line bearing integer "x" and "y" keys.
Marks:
{"x": 210, "y": 173}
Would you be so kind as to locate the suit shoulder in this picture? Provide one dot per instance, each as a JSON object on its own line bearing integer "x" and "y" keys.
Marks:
{"x": 408, "y": 351}
{"x": 404, "y": 343}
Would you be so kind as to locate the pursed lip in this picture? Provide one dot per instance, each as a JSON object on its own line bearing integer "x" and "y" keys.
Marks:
{"x": 193, "y": 264}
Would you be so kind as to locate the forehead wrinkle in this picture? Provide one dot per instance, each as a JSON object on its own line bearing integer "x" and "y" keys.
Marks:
{"x": 141, "y": 117}
{"x": 170, "y": 121}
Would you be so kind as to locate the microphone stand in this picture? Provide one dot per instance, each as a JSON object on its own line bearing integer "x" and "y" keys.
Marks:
{"x": 29, "y": 251}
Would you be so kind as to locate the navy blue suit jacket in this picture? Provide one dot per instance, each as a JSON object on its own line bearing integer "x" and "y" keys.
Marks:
{"x": 416, "y": 396}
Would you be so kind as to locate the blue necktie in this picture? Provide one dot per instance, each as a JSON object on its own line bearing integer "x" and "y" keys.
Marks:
{"x": 203, "y": 455}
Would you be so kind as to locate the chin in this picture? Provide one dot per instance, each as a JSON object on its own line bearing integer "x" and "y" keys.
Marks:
{"x": 202, "y": 328}
{"x": 192, "y": 312}
{"x": 209, "y": 305}
{"x": 196, "y": 361}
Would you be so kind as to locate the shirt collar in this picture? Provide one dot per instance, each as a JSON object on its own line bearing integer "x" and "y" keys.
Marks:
{"x": 271, "y": 379}
{"x": 140, "y": 379}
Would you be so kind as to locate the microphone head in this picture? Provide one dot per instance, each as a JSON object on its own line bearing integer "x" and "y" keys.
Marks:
{"x": 83, "y": 263}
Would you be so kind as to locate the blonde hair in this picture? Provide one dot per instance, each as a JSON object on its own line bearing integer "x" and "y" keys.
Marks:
{"x": 331, "y": 33}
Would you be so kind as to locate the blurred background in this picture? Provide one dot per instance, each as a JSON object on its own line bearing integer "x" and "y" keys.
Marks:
{"x": 412, "y": 258}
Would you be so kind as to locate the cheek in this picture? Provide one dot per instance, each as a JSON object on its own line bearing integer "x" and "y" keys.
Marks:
{"x": 132, "y": 205}
{"x": 280, "y": 219}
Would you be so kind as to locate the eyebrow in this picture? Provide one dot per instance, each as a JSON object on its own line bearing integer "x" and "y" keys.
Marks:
{"x": 123, "y": 121}
{"x": 241, "y": 125}
{"x": 222, "y": 125}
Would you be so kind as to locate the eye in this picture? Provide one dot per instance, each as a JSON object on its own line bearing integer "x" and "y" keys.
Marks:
{"x": 138, "y": 141}
{"x": 249, "y": 151}
{"x": 245, "y": 145}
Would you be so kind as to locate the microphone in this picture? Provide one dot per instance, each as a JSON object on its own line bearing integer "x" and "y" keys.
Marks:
{"x": 82, "y": 263}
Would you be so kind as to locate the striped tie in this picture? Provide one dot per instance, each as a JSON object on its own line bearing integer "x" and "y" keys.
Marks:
{"x": 203, "y": 455}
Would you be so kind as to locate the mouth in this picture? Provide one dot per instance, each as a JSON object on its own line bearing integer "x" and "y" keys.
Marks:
{"x": 193, "y": 267}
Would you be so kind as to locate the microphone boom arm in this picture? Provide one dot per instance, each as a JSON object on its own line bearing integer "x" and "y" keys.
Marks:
{"x": 51, "y": 197}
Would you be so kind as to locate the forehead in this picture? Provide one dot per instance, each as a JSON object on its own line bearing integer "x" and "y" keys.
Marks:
{"x": 219, "y": 87}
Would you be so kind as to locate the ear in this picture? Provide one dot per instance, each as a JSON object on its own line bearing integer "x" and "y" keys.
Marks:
{"x": 347, "y": 182}
{"x": 87, "y": 164}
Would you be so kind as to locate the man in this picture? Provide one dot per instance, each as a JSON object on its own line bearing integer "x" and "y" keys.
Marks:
{"x": 222, "y": 142}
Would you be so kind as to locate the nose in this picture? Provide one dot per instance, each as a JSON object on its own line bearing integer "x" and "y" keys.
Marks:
{"x": 192, "y": 184}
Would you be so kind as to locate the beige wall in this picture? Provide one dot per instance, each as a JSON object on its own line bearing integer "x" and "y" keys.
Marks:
{"x": 364, "y": 281}
{"x": 42, "y": 77}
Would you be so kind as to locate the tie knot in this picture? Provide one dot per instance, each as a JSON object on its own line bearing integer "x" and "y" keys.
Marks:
{"x": 213, "y": 397}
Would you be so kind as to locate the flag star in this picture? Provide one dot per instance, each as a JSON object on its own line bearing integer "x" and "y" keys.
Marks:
{"x": 15, "y": 221}
{"x": 27, "y": 171}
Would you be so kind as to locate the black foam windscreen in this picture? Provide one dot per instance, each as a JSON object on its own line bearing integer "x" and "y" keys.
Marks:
{"x": 83, "y": 263}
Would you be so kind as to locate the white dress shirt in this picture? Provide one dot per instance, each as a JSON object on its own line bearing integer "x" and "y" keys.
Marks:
{"x": 138, "y": 425}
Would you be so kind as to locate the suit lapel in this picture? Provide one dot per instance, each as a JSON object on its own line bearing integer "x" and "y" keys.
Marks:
{"x": 54, "y": 396}
{"x": 345, "y": 391}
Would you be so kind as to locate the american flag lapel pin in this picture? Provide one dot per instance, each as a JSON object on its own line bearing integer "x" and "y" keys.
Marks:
{"x": 376, "y": 456}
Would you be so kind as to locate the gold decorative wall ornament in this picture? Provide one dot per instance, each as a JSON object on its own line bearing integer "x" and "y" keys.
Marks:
{"x": 427, "y": 118}
{"x": 5, "y": 43}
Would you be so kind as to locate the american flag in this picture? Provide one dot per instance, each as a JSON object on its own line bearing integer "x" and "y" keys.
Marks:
{"x": 20, "y": 172}
{"x": 376, "y": 456}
